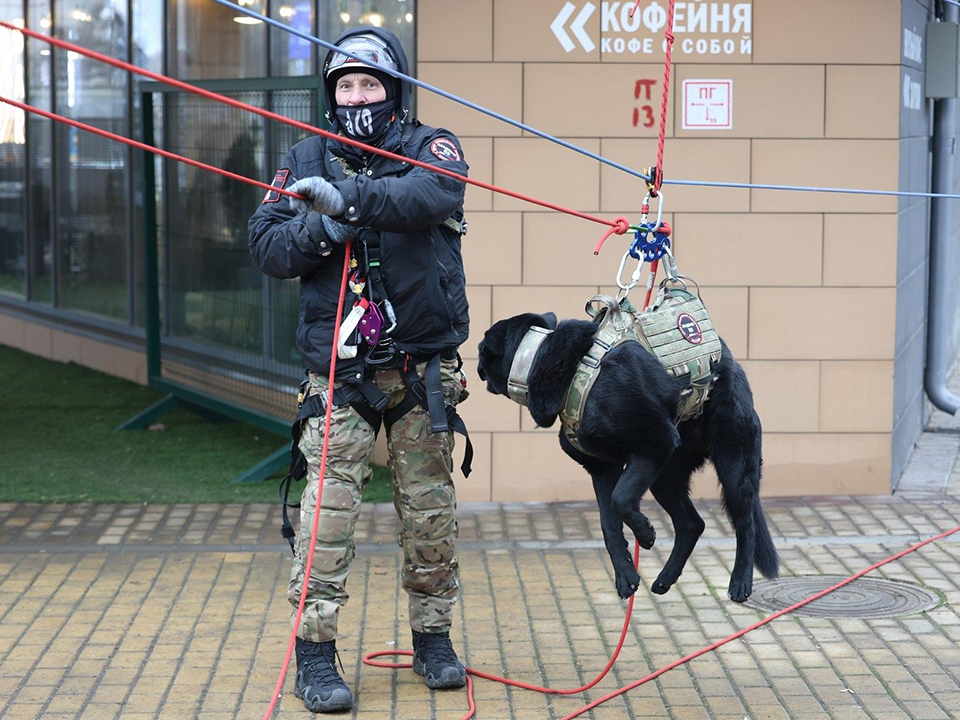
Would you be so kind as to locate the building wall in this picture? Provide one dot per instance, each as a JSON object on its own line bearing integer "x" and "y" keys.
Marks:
{"x": 821, "y": 297}
{"x": 910, "y": 406}
{"x": 803, "y": 286}
{"x": 118, "y": 356}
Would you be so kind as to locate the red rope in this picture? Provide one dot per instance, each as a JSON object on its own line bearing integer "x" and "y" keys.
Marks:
{"x": 148, "y": 148}
{"x": 368, "y": 659}
{"x": 668, "y": 37}
{"x": 653, "y": 276}
{"x": 333, "y": 355}
{"x": 297, "y": 124}
{"x": 316, "y": 511}
{"x": 766, "y": 620}
{"x": 621, "y": 225}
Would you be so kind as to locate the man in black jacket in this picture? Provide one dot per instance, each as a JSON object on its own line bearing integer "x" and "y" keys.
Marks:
{"x": 404, "y": 318}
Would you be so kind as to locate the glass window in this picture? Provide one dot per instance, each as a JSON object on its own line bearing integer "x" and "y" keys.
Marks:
{"x": 292, "y": 55}
{"x": 12, "y": 156}
{"x": 212, "y": 41}
{"x": 213, "y": 290}
{"x": 216, "y": 301}
{"x": 91, "y": 174}
{"x": 40, "y": 156}
{"x": 148, "y": 35}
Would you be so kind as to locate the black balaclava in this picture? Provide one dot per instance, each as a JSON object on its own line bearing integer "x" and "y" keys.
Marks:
{"x": 367, "y": 123}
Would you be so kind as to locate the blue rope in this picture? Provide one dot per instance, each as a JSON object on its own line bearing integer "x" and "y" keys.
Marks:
{"x": 564, "y": 143}
{"x": 433, "y": 89}
{"x": 811, "y": 188}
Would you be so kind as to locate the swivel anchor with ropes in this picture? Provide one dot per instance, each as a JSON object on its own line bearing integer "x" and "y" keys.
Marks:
{"x": 651, "y": 241}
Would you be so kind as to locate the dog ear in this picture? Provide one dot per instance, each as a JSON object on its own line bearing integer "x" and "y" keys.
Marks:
{"x": 550, "y": 320}
{"x": 544, "y": 409}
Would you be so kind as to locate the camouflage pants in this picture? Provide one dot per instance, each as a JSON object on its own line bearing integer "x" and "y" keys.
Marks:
{"x": 423, "y": 494}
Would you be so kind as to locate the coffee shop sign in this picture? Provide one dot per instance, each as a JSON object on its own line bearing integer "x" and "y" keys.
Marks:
{"x": 700, "y": 28}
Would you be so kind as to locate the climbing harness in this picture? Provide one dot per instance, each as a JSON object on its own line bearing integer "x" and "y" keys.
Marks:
{"x": 373, "y": 319}
{"x": 676, "y": 329}
{"x": 372, "y": 405}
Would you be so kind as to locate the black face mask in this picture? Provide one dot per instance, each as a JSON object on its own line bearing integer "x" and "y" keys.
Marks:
{"x": 367, "y": 123}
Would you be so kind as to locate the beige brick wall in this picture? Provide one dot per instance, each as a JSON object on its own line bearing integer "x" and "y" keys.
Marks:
{"x": 48, "y": 342}
{"x": 801, "y": 285}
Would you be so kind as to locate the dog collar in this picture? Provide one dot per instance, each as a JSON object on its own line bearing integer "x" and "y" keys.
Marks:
{"x": 523, "y": 361}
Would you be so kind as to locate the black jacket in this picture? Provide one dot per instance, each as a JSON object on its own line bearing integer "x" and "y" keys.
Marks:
{"x": 402, "y": 207}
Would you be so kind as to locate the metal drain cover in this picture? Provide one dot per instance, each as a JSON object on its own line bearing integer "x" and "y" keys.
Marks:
{"x": 863, "y": 598}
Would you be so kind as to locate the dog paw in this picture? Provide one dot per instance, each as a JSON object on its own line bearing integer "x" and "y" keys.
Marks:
{"x": 740, "y": 590}
{"x": 627, "y": 582}
{"x": 662, "y": 584}
{"x": 647, "y": 536}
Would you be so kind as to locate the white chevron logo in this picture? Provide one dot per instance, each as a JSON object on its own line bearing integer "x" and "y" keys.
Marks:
{"x": 576, "y": 27}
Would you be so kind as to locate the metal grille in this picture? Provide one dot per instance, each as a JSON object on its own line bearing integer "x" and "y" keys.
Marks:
{"x": 227, "y": 330}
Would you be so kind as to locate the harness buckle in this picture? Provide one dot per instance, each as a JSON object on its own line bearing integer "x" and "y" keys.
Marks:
{"x": 590, "y": 362}
{"x": 384, "y": 355}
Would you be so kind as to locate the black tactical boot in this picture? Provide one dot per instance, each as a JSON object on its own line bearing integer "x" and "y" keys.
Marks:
{"x": 435, "y": 659}
{"x": 319, "y": 684}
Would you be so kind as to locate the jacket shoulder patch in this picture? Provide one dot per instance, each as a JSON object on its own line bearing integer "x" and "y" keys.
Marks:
{"x": 279, "y": 180}
{"x": 445, "y": 149}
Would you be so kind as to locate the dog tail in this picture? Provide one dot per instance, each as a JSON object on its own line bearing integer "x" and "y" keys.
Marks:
{"x": 765, "y": 554}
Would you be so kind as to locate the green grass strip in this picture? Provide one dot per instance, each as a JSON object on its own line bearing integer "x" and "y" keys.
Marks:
{"x": 58, "y": 443}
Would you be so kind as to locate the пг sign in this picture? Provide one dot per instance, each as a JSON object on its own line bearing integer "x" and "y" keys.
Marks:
{"x": 707, "y": 104}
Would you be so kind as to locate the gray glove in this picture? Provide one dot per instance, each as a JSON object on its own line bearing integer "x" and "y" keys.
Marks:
{"x": 324, "y": 197}
{"x": 338, "y": 232}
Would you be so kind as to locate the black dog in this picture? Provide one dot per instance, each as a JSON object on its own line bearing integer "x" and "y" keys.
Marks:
{"x": 629, "y": 428}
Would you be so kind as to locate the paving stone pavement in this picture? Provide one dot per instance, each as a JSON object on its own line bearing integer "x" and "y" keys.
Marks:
{"x": 170, "y": 612}
{"x": 135, "y": 612}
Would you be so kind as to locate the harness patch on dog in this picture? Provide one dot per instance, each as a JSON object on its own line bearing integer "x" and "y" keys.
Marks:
{"x": 445, "y": 149}
{"x": 279, "y": 180}
{"x": 689, "y": 328}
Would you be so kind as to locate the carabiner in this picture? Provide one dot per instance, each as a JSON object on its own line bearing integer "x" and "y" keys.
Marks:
{"x": 391, "y": 316}
{"x": 670, "y": 264}
{"x": 634, "y": 279}
{"x": 659, "y": 222}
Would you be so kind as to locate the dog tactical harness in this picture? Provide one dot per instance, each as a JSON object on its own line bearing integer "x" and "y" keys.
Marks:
{"x": 676, "y": 329}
